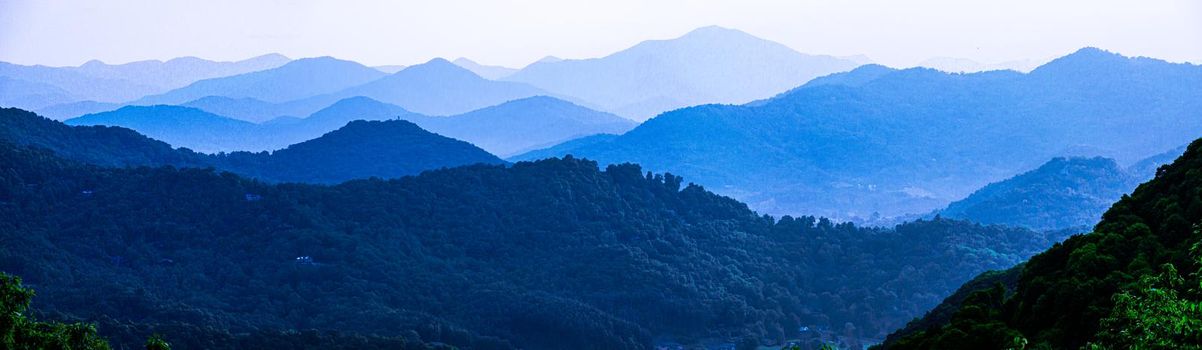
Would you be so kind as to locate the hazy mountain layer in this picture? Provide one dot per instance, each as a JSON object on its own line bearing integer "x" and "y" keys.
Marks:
{"x": 910, "y": 141}
{"x": 707, "y": 65}
{"x": 358, "y": 150}
{"x": 297, "y": 79}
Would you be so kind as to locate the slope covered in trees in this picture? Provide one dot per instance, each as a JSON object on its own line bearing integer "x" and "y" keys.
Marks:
{"x": 359, "y": 150}
{"x": 1064, "y": 193}
{"x": 1129, "y": 284}
{"x": 20, "y": 331}
{"x": 911, "y": 141}
{"x": 550, "y": 254}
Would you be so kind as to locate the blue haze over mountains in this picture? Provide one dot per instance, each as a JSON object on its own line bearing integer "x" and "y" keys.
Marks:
{"x": 708, "y": 65}
{"x": 471, "y": 187}
{"x": 880, "y": 140}
{"x": 808, "y": 140}
{"x": 25, "y": 86}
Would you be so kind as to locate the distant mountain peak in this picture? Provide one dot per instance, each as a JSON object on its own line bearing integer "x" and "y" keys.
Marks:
{"x": 483, "y": 70}
{"x": 380, "y": 127}
{"x": 439, "y": 60}
{"x": 316, "y": 59}
{"x": 355, "y": 99}
{"x": 359, "y": 103}
{"x": 93, "y": 63}
{"x": 1085, "y": 58}
{"x": 714, "y": 30}
{"x": 269, "y": 56}
{"x": 437, "y": 67}
{"x": 1093, "y": 53}
{"x": 718, "y": 34}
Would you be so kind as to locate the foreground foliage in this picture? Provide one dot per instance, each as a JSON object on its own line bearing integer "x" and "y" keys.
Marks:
{"x": 1117, "y": 287}
{"x": 20, "y": 331}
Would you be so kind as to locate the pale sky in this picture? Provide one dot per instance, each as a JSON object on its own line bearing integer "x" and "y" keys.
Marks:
{"x": 517, "y": 32}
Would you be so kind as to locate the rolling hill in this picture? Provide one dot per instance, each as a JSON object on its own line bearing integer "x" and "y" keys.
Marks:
{"x": 180, "y": 126}
{"x": 1064, "y": 193}
{"x": 387, "y": 149}
{"x": 359, "y": 150}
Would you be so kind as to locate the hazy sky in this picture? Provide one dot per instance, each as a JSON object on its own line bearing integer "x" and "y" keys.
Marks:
{"x": 516, "y": 32}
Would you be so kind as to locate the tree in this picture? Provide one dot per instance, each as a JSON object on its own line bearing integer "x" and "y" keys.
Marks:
{"x": 18, "y": 331}
{"x": 156, "y": 342}
{"x": 1153, "y": 315}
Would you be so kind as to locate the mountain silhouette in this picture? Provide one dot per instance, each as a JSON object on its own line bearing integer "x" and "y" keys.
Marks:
{"x": 484, "y": 71}
{"x": 707, "y": 65}
{"x": 524, "y": 124}
{"x": 178, "y": 72}
{"x": 295, "y": 80}
{"x": 179, "y": 126}
{"x": 437, "y": 87}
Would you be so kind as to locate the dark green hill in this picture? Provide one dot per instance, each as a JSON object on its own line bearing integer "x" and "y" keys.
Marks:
{"x": 1129, "y": 284}
{"x": 545, "y": 255}
{"x": 359, "y": 150}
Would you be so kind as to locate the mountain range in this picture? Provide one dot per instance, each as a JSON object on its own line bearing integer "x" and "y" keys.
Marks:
{"x": 295, "y": 80}
{"x": 98, "y": 82}
{"x": 178, "y": 72}
{"x": 504, "y": 129}
{"x": 437, "y": 87}
{"x": 880, "y": 140}
{"x": 707, "y": 65}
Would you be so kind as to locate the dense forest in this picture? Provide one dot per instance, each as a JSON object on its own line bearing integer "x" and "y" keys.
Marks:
{"x": 537, "y": 255}
{"x": 1133, "y": 283}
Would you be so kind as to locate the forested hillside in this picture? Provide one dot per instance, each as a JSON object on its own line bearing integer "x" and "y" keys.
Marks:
{"x": 1131, "y": 284}
{"x": 544, "y": 255}
{"x": 1064, "y": 193}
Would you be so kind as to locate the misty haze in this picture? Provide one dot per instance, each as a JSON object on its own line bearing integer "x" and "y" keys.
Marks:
{"x": 496, "y": 175}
